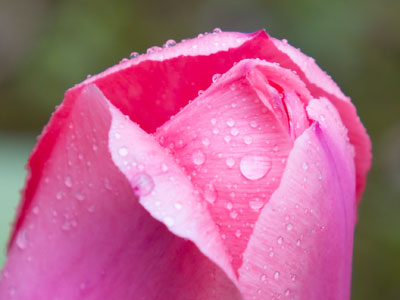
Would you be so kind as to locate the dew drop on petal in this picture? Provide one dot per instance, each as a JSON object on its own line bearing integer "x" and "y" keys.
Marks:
{"x": 254, "y": 167}
{"x": 198, "y": 157}
{"x": 210, "y": 193}
{"x": 123, "y": 151}
{"x": 21, "y": 241}
{"x": 230, "y": 122}
{"x": 305, "y": 166}
{"x": 217, "y": 30}
{"x": 234, "y": 131}
{"x": 178, "y": 206}
{"x": 169, "y": 43}
{"x": 247, "y": 140}
{"x": 80, "y": 196}
{"x": 35, "y": 210}
{"x": 253, "y": 124}
{"x": 230, "y": 162}
{"x": 68, "y": 181}
{"x": 234, "y": 214}
{"x": 142, "y": 184}
{"x": 205, "y": 141}
{"x": 238, "y": 233}
{"x": 256, "y": 204}
{"x": 215, "y": 77}
{"x": 276, "y": 275}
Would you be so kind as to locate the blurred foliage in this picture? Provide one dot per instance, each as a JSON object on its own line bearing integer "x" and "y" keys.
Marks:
{"x": 48, "y": 46}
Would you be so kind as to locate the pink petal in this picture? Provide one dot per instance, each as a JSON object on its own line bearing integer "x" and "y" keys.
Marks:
{"x": 301, "y": 247}
{"x": 84, "y": 234}
{"x": 321, "y": 85}
{"x": 233, "y": 142}
{"x": 153, "y": 87}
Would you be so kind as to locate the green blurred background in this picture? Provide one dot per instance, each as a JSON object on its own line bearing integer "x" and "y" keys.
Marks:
{"x": 47, "y": 46}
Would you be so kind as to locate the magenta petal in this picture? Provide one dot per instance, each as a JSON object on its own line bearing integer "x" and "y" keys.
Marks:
{"x": 153, "y": 87}
{"x": 84, "y": 235}
{"x": 233, "y": 141}
{"x": 301, "y": 246}
{"x": 321, "y": 85}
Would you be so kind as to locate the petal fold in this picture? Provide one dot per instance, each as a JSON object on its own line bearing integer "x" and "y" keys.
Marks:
{"x": 86, "y": 236}
{"x": 301, "y": 246}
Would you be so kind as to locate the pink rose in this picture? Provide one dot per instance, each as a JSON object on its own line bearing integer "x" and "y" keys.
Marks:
{"x": 162, "y": 179}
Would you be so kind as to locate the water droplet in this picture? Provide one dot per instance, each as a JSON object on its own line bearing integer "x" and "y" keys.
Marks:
{"x": 68, "y": 181}
{"x": 322, "y": 117}
{"x": 227, "y": 138}
{"x": 305, "y": 166}
{"x": 217, "y": 30}
{"x": 134, "y": 54}
{"x": 293, "y": 277}
{"x": 276, "y": 275}
{"x": 263, "y": 277}
{"x": 123, "y": 151}
{"x": 164, "y": 167}
{"x": 80, "y": 196}
{"x": 21, "y": 241}
{"x": 169, "y": 43}
{"x": 142, "y": 184}
{"x": 117, "y": 135}
{"x": 210, "y": 193}
{"x": 287, "y": 292}
{"x": 169, "y": 221}
{"x": 198, "y": 157}
{"x": 35, "y": 210}
{"x": 94, "y": 147}
{"x": 279, "y": 240}
{"x": 298, "y": 242}
{"x": 256, "y": 204}
{"x": 205, "y": 141}
{"x": 213, "y": 121}
{"x": 289, "y": 227}
{"x": 238, "y": 233}
{"x": 230, "y": 162}
{"x": 254, "y": 167}
{"x": 215, "y": 77}
{"x": 230, "y": 122}
{"x": 229, "y": 206}
{"x": 253, "y": 124}
{"x": 234, "y": 214}
{"x": 153, "y": 49}
{"x": 178, "y": 206}
{"x": 215, "y": 130}
{"x": 234, "y": 131}
{"x": 247, "y": 140}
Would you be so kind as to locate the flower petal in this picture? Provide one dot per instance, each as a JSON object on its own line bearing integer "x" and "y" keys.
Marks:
{"x": 233, "y": 142}
{"x": 321, "y": 85}
{"x": 153, "y": 87}
{"x": 301, "y": 246}
{"x": 84, "y": 234}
